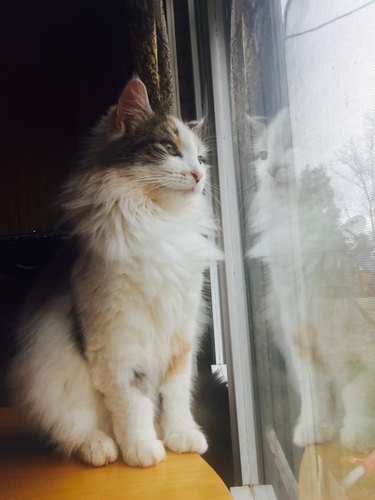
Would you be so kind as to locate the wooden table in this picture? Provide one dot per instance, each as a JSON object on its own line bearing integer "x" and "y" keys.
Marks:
{"x": 29, "y": 470}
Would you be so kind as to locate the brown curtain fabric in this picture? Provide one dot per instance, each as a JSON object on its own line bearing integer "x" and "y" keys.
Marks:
{"x": 150, "y": 50}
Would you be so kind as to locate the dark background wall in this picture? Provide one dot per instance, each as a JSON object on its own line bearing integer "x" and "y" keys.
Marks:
{"x": 62, "y": 63}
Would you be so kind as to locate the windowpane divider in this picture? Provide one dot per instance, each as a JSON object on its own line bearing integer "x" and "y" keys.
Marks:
{"x": 239, "y": 358}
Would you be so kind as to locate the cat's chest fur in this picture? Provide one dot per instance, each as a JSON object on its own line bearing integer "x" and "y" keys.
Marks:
{"x": 148, "y": 297}
{"x": 164, "y": 254}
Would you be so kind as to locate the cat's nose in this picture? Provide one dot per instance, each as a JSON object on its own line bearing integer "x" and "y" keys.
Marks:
{"x": 197, "y": 175}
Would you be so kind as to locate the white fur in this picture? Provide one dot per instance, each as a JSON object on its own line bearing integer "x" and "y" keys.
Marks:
{"x": 318, "y": 323}
{"x": 137, "y": 286}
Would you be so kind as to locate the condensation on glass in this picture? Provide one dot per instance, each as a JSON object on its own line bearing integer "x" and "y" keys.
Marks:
{"x": 303, "y": 99}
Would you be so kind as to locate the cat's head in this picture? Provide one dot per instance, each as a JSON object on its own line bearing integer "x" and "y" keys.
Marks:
{"x": 273, "y": 153}
{"x": 159, "y": 153}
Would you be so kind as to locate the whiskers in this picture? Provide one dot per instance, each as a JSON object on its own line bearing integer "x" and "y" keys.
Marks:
{"x": 212, "y": 191}
{"x": 164, "y": 182}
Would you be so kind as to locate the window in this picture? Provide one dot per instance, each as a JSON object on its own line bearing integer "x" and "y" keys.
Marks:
{"x": 294, "y": 112}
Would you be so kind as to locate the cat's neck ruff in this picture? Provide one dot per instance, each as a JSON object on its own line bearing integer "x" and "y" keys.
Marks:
{"x": 136, "y": 228}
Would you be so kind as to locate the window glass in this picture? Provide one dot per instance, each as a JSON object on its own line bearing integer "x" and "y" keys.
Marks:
{"x": 302, "y": 87}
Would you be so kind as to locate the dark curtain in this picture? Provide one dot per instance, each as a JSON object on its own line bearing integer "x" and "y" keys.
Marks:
{"x": 150, "y": 50}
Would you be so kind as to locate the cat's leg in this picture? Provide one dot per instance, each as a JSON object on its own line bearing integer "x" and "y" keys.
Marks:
{"x": 82, "y": 425}
{"x": 317, "y": 422}
{"x": 88, "y": 424}
{"x": 180, "y": 432}
{"x": 127, "y": 396}
{"x": 358, "y": 431}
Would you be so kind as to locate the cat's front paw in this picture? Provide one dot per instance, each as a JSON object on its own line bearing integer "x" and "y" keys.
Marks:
{"x": 185, "y": 441}
{"x": 98, "y": 449}
{"x": 144, "y": 453}
{"x": 305, "y": 434}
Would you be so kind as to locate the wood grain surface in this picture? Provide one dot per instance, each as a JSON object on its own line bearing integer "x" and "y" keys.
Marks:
{"x": 30, "y": 470}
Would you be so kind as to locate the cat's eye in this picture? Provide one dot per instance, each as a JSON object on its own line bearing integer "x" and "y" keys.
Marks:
{"x": 202, "y": 159}
{"x": 170, "y": 149}
{"x": 263, "y": 155}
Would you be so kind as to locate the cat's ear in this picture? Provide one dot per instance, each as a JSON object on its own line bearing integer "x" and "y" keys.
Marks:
{"x": 133, "y": 105}
{"x": 197, "y": 125}
{"x": 258, "y": 124}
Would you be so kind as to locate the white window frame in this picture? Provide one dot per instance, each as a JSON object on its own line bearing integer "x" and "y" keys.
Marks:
{"x": 231, "y": 302}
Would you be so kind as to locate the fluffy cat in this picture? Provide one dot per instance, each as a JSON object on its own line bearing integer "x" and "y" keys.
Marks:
{"x": 105, "y": 357}
{"x": 319, "y": 324}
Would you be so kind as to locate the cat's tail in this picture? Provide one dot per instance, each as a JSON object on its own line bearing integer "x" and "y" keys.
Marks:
{"x": 211, "y": 412}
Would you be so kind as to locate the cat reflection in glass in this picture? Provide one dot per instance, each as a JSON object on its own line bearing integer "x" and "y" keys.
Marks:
{"x": 105, "y": 351}
{"x": 326, "y": 336}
